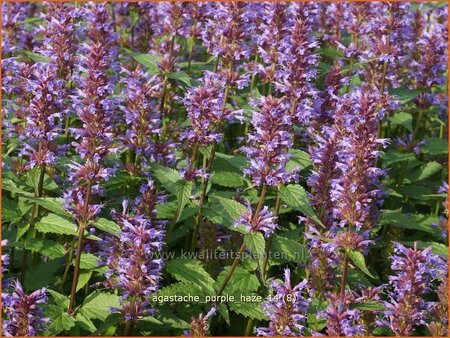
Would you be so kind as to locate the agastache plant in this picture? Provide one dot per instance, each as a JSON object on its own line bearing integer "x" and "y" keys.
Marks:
{"x": 96, "y": 137}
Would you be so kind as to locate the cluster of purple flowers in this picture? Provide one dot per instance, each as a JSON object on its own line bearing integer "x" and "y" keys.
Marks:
{"x": 268, "y": 144}
{"x": 286, "y": 309}
{"x": 415, "y": 271}
{"x": 24, "y": 316}
{"x": 263, "y": 221}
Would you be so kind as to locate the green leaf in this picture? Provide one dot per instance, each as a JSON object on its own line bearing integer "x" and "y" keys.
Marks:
{"x": 358, "y": 258}
{"x": 404, "y": 94}
{"x": 225, "y": 211}
{"x": 368, "y": 306}
{"x": 60, "y": 300}
{"x": 402, "y": 119}
{"x": 98, "y": 305}
{"x": 61, "y": 323}
{"x": 84, "y": 323}
{"x": 89, "y": 261}
{"x": 57, "y": 225}
{"x": 83, "y": 279}
{"x": 108, "y": 226}
{"x": 166, "y": 176}
{"x": 295, "y": 196}
{"x": 227, "y": 179}
{"x": 55, "y": 205}
{"x": 227, "y": 162}
{"x": 409, "y": 221}
{"x": 148, "y": 60}
{"x": 255, "y": 242}
{"x": 168, "y": 318}
{"x": 298, "y": 158}
{"x": 182, "y": 77}
{"x": 289, "y": 250}
{"x": 46, "y": 247}
{"x": 241, "y": 282}
{"x": 36, "y": 57}
{"x": 41, "y": 275}
{"x": 183, "y": 193}
{"x": 10, "y": 211}
{"x": 393, "y": 156}
{"x": 249, "y": 310}
{"x": 134, "y": 17}
{"x": 189, "y": 270}
{"x": 435, "y": 146}
{"x": 179, "y": 289}
{"x": 423, "y": 172}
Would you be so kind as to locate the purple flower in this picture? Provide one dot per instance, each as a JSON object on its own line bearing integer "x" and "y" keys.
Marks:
{"x": 24, "y": 316}
{"x": 206, "y": 111}
{"x": 269, "y": 143}
{"x": 264, "y": 221}
{"x": 5, "y": 257}
{"x": 415, "y": 270}
{"x": 286, "y": 309}
{"x": 200, "y": 324}
{"x": 341, "y": 320}
{"x": 357, "y": 192}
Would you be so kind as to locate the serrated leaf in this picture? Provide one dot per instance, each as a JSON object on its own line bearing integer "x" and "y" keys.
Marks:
{"x": 36, "y": 57}
{"x": 10, "y": 211}
{"x": 57, "y": 225}
{"x": 295, "y": 196}
{"x": 369, "y": 306}
{"x": 298, "y": 158}
{"x": 83, "y": 279}
{"x": 84, "y": 323}
{"x": 292, "y": 250}
{"x": 61, "y": 323}
{"x": 227, "y": 179}
{"x": 404, "y": 94}
{"x": 409, "y": 221}
{"x": 358, "y": 258}
{"x": 41, "y": 275}
{"x": 241, "y": 282}
{"x": 98, "y": 305}
{"x": 55, "y": 205}
{"x": 423, "y": 172}
{"x": 254, "y": 241}
{"x": 249, "y": 310}
{"x": 59, "y": 299}
{"x": 46, "y": 247}
{"x": 168, "y": 177}
{"x": 183, "y": 193}
{"x": 182, "y": 77}
{"x": 402, "y": 119}
{"x": 393, "y": 156}
{"x": 89, "y": 261}
{"x": 150, "y": 61}
{"x": 108, "y": 226}
{"x": 224, "y": 313}
{"x": 168, "y": 318}
{"x": 225, "y": 211}
{"x": 179, "y": 289}
{"x": 191, "y": 271}
{"x": 434, "y": 146}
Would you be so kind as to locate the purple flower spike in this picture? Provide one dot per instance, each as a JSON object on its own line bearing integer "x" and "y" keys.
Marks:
{"x": 286, "y": 309}
{"x": 269, "y": 143}
{"x": 264, "y": 221}
{"x": 24, "y": 317}
{"x": 200, "y": 325}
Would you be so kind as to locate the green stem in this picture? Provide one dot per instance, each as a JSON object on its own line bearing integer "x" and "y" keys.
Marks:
{"x": 344, "y": 273}
{"x": 270, "y": 239}
{"x": 249, "y": 327}
{"x": 82, "y": 226}
{"x": 67, "y": 267}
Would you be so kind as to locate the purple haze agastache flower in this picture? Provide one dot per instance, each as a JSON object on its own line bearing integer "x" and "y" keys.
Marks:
{"x": 286, "y": 309}
{"x": 357, "y": 192}
{"x": 443, "y": 220}
{"x": 295, "y": 71}
{"x": 42, "y": 121}
{"x": 24, "y": 316}
{"x": 226, "y": 31}
{"x": 95, "y": 112}
{"x": 206, "y": 111}
{"x": 5, "y": 257}
{"x": 200, "y": 324}
{"x": 264, "y": 221}
{"x": 269, "y": 143}
{"x": 14, "y": 34}
{"x": 415, "y": 271}
{"x": 439, "y": 325}
{"x": 60, "y": 43}
{"x": 341, "y": 320}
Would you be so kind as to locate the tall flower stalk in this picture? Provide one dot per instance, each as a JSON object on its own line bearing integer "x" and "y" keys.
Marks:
{"x": 96, "y": 133}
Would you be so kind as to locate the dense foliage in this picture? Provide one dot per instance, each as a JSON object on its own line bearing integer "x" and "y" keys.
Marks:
{"x": 224, "y": 168}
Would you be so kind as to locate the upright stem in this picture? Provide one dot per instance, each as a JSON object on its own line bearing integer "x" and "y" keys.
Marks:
{"x": 34, "y": 214}
{"x": 76, "y": 272}
{"x": 344, "y": 273}
{"x": 270, "y": 239}
{"x": 130, "y": 322}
